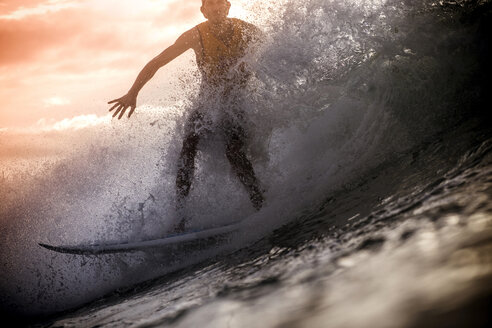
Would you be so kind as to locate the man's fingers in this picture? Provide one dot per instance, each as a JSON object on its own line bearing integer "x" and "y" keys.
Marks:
{"x": 120, "y": 109}
{"x": 117, "y": 110}
{"x": 113, "y": 101}
{"x": 114, "y": 106}
{"x": 122, "y": 112}
{"x": 131, "y": 111}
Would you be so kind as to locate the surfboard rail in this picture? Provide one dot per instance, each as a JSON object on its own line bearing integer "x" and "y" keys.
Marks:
{"x": 174, "y": 239}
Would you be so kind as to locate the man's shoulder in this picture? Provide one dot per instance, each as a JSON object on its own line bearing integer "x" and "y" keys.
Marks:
{"x": 201, "y": 24}
{"x": 189, "y": 38}
{"x": 192, "y": 32}
{"x": 242, "y": 23}
{"x": 250, "y": 30}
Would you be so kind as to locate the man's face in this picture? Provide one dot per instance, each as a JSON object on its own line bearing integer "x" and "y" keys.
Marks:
{"x": 216, "y": 10}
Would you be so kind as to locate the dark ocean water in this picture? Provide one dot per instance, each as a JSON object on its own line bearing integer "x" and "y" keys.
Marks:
{"x": 373, "y": 140}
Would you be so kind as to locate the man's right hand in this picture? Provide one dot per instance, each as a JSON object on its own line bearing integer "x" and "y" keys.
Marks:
{"x": 122, "y": 104}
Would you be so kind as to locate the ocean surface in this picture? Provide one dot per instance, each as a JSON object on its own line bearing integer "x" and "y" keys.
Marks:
{"x": 370, "y": 131}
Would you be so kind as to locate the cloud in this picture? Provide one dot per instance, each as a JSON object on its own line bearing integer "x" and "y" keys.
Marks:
{"x": 75, "y": 31}
{"x": 22, "y": 42}
{"x": 75, "y": 123}
{"x": 41, "y": 8}
{"x": 7, "y": 7}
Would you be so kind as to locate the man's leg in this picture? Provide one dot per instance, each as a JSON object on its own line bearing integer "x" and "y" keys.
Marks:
{"x": 236, "y": 154}
{"x": 186, "y": 167}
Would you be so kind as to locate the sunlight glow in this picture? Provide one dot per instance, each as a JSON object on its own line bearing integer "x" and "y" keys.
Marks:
{"x": 237, "y": 11}
{"x": 56, "y": 101}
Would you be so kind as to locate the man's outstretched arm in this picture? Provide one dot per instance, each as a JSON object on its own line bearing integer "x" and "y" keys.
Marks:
{"x": 184, "y": 42}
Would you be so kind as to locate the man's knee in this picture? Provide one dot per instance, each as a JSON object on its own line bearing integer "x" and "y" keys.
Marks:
{"x": 235, "y": 154}
{"x": 234, "y": 144}
{"x": 190, "y": 141}
{"x": 189, "y": 147}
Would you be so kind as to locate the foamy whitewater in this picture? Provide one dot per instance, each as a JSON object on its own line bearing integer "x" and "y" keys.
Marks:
{"x": 369, "y": 130}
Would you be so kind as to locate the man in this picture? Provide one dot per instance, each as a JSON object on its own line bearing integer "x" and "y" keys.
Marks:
{"x": 219, "y": 44}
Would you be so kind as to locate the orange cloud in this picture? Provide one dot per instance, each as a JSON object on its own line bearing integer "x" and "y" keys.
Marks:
{"x": 7, "y": 7}
{"x": 22, "y": 41}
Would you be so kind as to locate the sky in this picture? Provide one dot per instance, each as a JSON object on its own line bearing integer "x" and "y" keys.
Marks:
{"x": 61, "y": 59}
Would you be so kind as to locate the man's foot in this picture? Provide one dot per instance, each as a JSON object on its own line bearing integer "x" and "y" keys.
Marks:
{"x": 180, "y": 227}
{"x": 257, "y": 200}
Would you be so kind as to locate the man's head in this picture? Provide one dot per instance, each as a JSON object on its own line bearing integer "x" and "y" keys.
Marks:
{"x": 215, "y": 10}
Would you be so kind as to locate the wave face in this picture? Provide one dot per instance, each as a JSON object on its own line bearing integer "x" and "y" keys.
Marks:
{"x": 341, "y": 89}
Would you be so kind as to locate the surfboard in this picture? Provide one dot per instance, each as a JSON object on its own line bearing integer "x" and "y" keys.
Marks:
{"x": 169, "y": 240}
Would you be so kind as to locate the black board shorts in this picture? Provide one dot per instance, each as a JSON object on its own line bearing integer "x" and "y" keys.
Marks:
{"x": 230, "y": 126}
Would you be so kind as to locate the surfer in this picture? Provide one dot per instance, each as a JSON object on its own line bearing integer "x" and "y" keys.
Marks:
{"x": 219, "y": 44}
